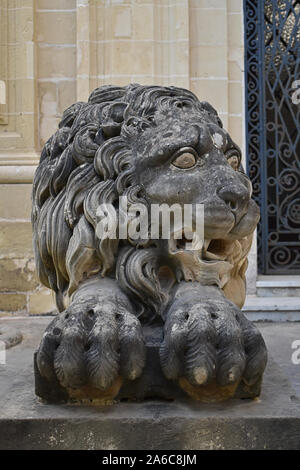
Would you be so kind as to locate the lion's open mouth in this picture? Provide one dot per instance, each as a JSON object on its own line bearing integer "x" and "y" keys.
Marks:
{"x": 209, "y": 263}
{"x": 216, "y": 249}
{"x": 211, "y": 250}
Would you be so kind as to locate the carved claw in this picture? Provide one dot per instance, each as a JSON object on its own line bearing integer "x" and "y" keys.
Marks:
{"x": 211, "y": 341}
{"x": 92, "y": 343}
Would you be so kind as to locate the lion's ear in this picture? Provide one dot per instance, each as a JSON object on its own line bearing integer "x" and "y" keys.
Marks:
{"x": 113, "y": 117}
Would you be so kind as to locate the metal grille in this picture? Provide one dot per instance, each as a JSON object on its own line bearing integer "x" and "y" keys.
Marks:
{"x": 272, "y": 65}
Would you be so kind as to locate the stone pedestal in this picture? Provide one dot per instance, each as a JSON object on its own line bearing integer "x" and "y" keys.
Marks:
{"x": 270, "y": 422}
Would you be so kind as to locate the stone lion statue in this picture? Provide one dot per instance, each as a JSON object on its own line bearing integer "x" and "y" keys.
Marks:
{"x": 154, "y": 145}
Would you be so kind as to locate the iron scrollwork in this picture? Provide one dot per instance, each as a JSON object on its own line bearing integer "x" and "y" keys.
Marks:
{"x": 272, "y": 64}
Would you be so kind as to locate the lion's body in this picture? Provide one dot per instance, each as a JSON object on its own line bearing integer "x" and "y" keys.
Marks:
{"x": 135, "y": 141}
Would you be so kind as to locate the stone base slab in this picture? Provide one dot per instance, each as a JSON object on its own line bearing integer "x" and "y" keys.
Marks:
{"x": 270, "y": 422}
{"x": 279, "y": 309}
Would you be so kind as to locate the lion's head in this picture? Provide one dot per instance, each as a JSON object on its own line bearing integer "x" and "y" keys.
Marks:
{"x": 154, "y": 145}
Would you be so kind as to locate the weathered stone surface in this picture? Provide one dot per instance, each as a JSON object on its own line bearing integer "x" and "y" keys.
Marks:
{"x": 16, "y": 240}
{"x": 10, "y": 336}
{"x": 41, "y": 301}
{"x": 12, "y": 302}
{"x": 17, "y": 274}
{"x": 15, "y": 201}
{"x": 154, "y": 145}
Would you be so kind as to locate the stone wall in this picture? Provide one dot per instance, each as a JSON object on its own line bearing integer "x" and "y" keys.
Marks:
{"x": 54, "y": 52}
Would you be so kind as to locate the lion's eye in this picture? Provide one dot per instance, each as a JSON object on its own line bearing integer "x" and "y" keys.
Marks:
{"x": 185, "y": 160}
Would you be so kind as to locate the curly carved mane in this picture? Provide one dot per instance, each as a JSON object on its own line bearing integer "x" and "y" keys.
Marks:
{"x": 88, "y": 162}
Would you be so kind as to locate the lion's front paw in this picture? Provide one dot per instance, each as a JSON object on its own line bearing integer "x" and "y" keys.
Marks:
{"x": 92, "y": 343}
{"x": 212, "y": 341}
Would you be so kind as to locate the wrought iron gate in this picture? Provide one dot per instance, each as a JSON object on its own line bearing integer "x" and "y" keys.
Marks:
{"x": 272, "y": 83}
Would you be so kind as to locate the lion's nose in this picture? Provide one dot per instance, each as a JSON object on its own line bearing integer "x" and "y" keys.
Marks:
{"x": 236, "y": 198}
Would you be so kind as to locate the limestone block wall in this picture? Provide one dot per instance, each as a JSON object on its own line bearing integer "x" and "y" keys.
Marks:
{"x": 54, "y": 52}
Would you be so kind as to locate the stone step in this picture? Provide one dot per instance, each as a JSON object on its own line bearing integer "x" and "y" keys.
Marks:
{"x": 272, "y": 308}
{"x": 278, "y": 286}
